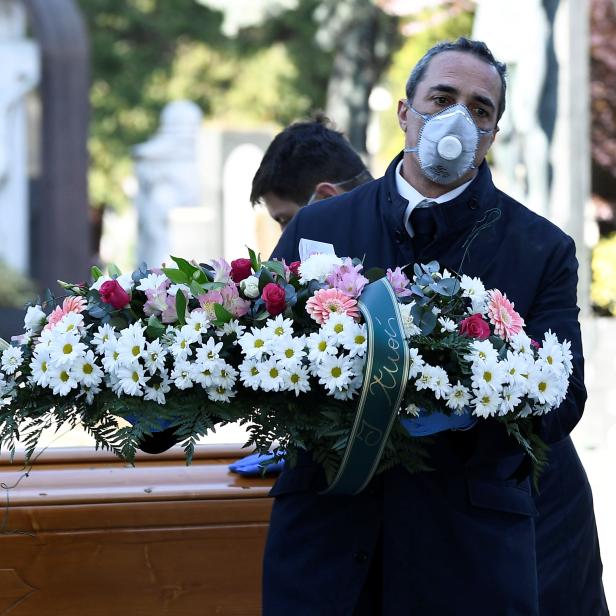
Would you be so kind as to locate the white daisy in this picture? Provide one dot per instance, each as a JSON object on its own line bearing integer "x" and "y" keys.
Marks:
{"x": 181, "y": 375}
{"x": 151, "y": 282}
{"x": 180, "y": 348}
{"x": 132, "y": 379}
{"x": 104, "y": 338}
{"x": 209, "y": 351}
{"x": 225, "y": 375}
{"x": 416, "y": 362}
{"x": 40, "y": 366}
{"x": 62, "y": 381}
{"x": 232, "y": 328}
{"x": 481, "y": 350}
{"x": 512, "y": 396}
{"x": 86, "y": 370}
{"x": 12, "y": 357}
{"x": 551, "y": 354}
{"x": 219, "y": 393}
{"x": 440, "y": 382}
{"x": 474, "y": 289}
{"x": 255, "y": 344}
{"x": 355, "y": 340}
{"x": 111, "y": 360}
{"x": 515, "y": 368}
{"x": 521, "y": 343}
{"x": 289, "y": 350}
{"x": 486, "y": 403}
{"x": 65, "y": 349}
{"x": 198, "y": 321}
{"x": 542, "y": 386}
{"x": 249, "y": 374}
{"x": 487, "y": 374}
{"x": 125, "y": 281}
{"x": 204, "y": 372}
{"x": 296, "y": 379}
{"x": 174, "y": 288}
{"x": 89, "y": 393}
{"x": 345, "y": 393}
{"x": 565, "y": 348}
{"x": 279, "y": 327}
{"x": 157, "y": 389}
{"x": 335, "y": 372}
{"x": 131, "y": 343}
{"x": 154, "y": 356}
{"x": 69, "y": 323}
{"x": 337, "y": 325}
{"x": 458, "y": 397}
{"x": 447, "y": 325}
{"x": 410, "y": 329}
{"x": 271, "y": 374}
{"x": 320, "y": 345}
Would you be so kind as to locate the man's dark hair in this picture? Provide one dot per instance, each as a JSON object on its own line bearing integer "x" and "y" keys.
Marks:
{"x": 303, "y": 155}
{"x": 477, "y": 48}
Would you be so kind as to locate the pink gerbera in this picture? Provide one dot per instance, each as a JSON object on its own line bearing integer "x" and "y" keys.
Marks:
{"x": 329, "y": 301}
{"x": 70, "y": 304}
{"x": 507, "y": 322}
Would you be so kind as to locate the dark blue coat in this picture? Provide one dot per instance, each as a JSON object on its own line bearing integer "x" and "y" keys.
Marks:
{"x": 465, "y": 538}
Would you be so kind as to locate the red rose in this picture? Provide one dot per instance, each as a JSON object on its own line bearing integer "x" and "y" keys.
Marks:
{"x": 274, "y": 298}
{"x": 111, "y": 292}
{"x": 240, "y": 269}
{"x": 475, "y": 327}
{"x": 294, "y": 268}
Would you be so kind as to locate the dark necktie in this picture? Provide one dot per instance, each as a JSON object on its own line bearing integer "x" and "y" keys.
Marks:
{"x": 423, "y": 224}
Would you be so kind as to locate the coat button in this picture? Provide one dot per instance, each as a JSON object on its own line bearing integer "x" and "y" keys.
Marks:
{"x": 360, "y": 557}
{"x": 398, "y": 237}
{"x": 473, "y": 204}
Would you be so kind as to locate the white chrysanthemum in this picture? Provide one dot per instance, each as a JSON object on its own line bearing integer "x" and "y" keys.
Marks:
{"x": 62, "y": 381}
{"x": 232, "y": 328}
{"x": 12, "y": 357}
{"x": 486, "y": 403}
{"x": 289, "y": 350}
{"x": 337, "y": 325}
{"x": 249, "y": 374}
{"x": 278, "y": 327}
{"x": 132, "y": 379}
{"x": 174, "y": 288}
{"x": 355, "y": 340}
{"x": 458, "y": 397}
{"x": 481, "y": 350}
{"x": 318, "y": 267}
{"x": 198, "y": 321}
{"x": 205, "y": 371}
{"x": 209, "y": 351}
{"x": 436, "y": 379}
{"x": 416, "y": 362}
{"x": 157, "y": 390}
{"x": 35, "y": 319}
{"x": 487, "y": 374}
{"x": 542, "y": 386}
{"x": 521, "y": 343}
{"x": 40, "y": 367}
{"x": 111, "y": 360}
{"x": 320, "y": 345}
{"x": 154, "y": 356}
{"x": 255, "y": 344}
{"x": 474, "y": 289}
{"x": 447, "y": 324}
{"x": 511, "y": 398}
{"x": 151, "y": 282}
{"x": 516, "y": 368}
{"x": 125, "y": 281}
{"x": 87, "y": 372}
{"x": 410, "y": 329}
{"x": 218, "y": 393}
{"x": 65, "y": 349}
{"x": 70, "y": 323}
{"x": 335, "y": 372}
{"x": 89, "y": 393}
{"x": 131, "y": 343}
{"x": 180, "y": 348}
{"x": 551, "y": 353}
{"x": 567, "y": 357}
{"x": 272, "y": 375}
{"x": 225, "y": 375}
{"x": 181, "y": 375}
{"x": 105, "y": 338}
{"x": 296, "y": 379}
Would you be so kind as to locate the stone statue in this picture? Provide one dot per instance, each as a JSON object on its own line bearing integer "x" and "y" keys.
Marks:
{"x": 19, "y": 58}
{"x": 169, "y": 176}
{"x": 517, "y": 33}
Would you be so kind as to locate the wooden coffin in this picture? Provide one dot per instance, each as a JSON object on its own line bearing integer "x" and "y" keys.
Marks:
{"x": 85, "y": 534}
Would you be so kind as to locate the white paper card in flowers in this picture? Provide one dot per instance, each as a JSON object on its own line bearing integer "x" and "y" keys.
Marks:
{"x": 311, "y": 247}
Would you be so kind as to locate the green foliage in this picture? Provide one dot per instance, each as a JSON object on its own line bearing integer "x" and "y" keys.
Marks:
{"x": 603, "y": 287}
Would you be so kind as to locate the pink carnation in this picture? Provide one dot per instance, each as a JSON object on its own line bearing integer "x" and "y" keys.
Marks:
{"x": 73, "y": 303}
{"x": 507, "y": 322}
{"x": 329, "y": 301}
{"x": 399, "y": 281}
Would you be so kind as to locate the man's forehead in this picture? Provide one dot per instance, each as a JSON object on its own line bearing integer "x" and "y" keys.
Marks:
{"x": 461, "y": 67}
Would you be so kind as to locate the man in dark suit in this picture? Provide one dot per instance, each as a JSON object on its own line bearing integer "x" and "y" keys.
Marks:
{"x": 464, "y": 538}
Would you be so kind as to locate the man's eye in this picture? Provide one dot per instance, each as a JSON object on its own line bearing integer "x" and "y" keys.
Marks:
{"x": 440, "y": 100}
{"x": 482, "y": 113}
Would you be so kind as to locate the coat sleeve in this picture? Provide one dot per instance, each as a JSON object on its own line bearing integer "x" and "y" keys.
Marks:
{"x": 555, "y": 309}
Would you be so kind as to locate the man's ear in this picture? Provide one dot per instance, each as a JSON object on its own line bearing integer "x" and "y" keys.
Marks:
{"x": 402, "y": 114}
{"x": 324, "y": 190}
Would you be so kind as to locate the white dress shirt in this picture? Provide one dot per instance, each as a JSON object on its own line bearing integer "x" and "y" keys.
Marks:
{"x": 416, "y": 199}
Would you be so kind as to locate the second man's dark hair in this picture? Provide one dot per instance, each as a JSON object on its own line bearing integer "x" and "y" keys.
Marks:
{"x": 302, "y": 156}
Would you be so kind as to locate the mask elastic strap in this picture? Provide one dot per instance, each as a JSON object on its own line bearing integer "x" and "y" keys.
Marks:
{"x": 423, "y": 116}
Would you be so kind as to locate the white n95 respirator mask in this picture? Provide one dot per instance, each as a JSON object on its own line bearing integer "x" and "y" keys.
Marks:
{"x": 447, "y": 143}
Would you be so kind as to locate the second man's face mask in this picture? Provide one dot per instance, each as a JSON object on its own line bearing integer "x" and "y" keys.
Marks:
{"x": 447, "y": 143}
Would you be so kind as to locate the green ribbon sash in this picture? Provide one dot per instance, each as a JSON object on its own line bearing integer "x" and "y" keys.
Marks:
{"x": 385, "y": 378}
